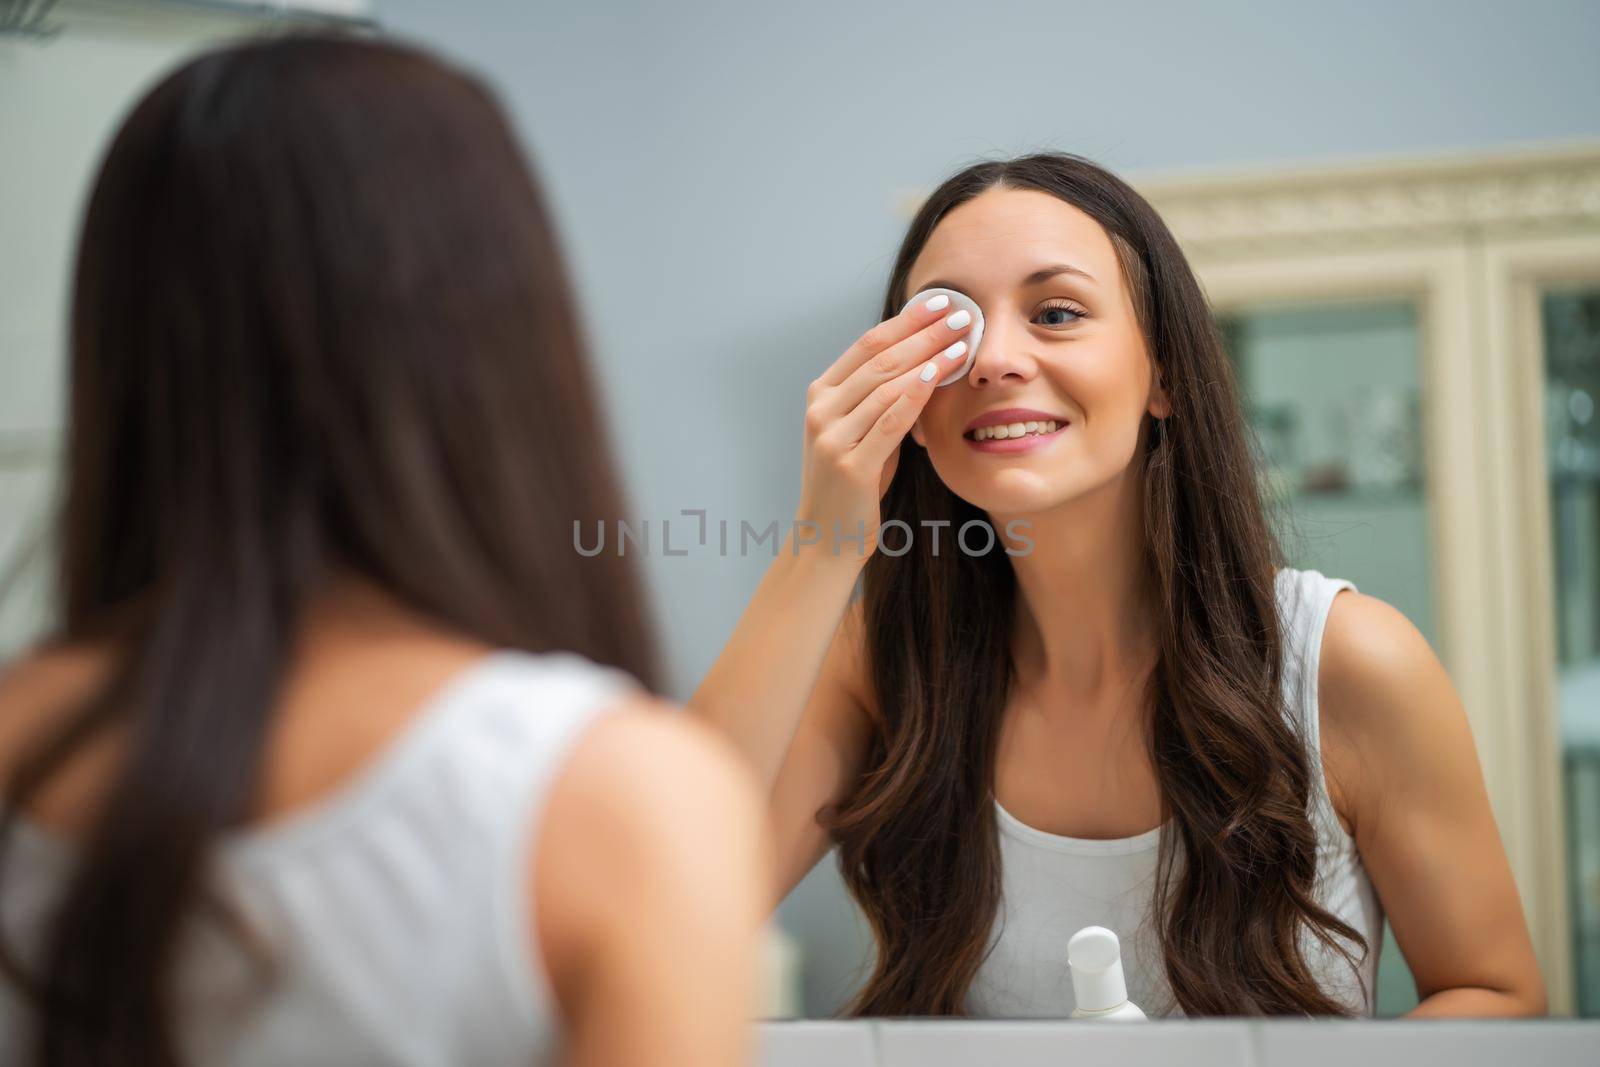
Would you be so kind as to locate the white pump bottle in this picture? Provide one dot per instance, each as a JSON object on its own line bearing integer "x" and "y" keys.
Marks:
{"x": 1095, "y": 957}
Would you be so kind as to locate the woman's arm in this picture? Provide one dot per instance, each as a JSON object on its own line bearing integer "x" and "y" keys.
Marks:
{"x": 786, "y": 689}
{"x": 758, "y": 689}
{"x": 1405, "y": 774}
{"x": 649, "y": 894}
{"x": 774, "y": 656}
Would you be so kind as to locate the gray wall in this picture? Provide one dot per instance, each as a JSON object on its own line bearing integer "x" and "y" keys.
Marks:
{"x": 727, "y": 175}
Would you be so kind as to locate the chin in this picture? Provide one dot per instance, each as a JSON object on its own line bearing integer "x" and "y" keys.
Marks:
{"x": 1014, "y": 491}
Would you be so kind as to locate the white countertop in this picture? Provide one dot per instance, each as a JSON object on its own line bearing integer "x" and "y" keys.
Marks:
{"x": 1166, "y": 1043}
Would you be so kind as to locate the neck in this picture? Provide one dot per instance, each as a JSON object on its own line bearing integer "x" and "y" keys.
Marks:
{"x": 1084, "y": 610}
{"x": 350, "y": 609}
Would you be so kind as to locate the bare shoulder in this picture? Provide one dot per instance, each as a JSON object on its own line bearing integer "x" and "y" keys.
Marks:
{"x": 653, "y": 819}
{"x": 1374, "y": 663}
{"x": 37, "y": 689}
{"x": 649, "y": 770}
{"x": 36, "y": 683}
{"x": 1385, "y": 703}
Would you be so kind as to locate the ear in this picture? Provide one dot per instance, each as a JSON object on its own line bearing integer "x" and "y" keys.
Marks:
{"x": 1160, "y": 405}
{"x": 916, "y": 433}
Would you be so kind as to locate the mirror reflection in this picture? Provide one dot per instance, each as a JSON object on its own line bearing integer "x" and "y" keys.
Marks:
{"x": 1044, "y": 729}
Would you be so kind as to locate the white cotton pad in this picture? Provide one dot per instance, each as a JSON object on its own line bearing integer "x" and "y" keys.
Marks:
{"x": 974, "y": 334}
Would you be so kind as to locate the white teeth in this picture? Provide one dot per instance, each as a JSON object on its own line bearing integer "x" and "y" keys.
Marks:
{"x": 1007, "y": 430}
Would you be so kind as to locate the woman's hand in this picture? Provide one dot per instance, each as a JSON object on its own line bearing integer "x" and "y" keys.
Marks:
{"x": 860, "y": 409}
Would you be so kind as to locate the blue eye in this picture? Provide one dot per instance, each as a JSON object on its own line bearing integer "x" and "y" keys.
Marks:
{"x": 1067, "y": 309}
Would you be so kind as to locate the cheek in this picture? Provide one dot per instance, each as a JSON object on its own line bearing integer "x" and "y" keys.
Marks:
{"x": 1107, "y": 388}
{"x": 1106, "y": 381}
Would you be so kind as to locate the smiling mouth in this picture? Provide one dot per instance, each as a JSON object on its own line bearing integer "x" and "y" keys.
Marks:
{"x": 1006, "y": 431}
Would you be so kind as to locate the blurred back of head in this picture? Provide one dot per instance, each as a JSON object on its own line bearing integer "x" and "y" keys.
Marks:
{"x": 321, "y": 320}
{"x": 321, "y": 328}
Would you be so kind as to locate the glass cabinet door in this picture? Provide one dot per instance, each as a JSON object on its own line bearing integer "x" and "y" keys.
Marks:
{"x": 1570, "y": 322}
{"x": 1332, "y": 392}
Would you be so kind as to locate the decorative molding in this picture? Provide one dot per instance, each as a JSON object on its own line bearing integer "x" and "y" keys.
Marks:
{"x": 1515, "y": 192}
{"x": 1369, "y": 203}
{"x": 142, "y": 17}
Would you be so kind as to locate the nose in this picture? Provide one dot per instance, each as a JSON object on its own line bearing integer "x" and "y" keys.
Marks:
{"x": 1001, "y": 357}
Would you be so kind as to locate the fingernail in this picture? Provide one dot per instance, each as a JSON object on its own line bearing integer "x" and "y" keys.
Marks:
{"x": 937, "y": 303}
{"x": 929, "y": 371}
{"x": 955, "y": 351}
{"x": 959, "y": 319}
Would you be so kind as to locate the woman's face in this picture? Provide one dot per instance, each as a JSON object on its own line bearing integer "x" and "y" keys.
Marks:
{"x": 1063, "y": 344}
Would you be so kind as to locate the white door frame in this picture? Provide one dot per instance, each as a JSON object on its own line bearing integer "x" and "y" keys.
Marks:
{"x": 1516, "y": 270}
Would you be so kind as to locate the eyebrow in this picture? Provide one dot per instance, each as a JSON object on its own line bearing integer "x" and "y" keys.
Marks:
{"x": 1038, "y": 277}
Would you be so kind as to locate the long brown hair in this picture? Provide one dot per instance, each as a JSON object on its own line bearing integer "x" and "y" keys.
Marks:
{"x": 917, "y": 836}
{"x": 320, "y": 327}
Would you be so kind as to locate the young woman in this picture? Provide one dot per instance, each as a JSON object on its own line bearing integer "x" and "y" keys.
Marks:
{"x": 1123, "y": 710}
{"x": 340, "y": 753}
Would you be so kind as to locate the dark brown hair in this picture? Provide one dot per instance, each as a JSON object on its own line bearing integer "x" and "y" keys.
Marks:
{"x": 917, "y": 835}
{"x": 321, "y": 327}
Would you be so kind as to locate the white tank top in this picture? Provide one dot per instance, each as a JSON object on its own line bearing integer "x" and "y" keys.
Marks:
{"x": 397, "y": 909}
{"x": 1053, "y": 886}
